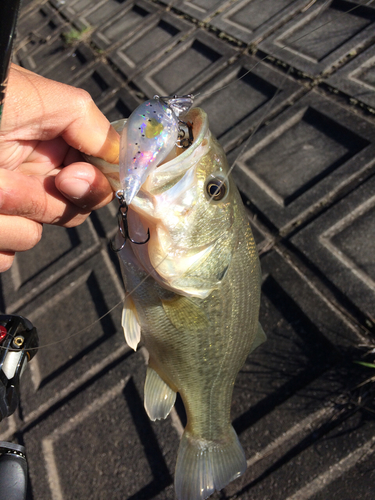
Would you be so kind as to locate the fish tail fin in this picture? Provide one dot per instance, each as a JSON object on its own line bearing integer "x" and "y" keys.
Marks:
{"x": 205, "y": 466}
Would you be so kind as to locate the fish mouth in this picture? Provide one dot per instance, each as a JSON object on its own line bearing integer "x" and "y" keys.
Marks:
{"x": 198, "y": 120}
{"x": 179, "y": 164}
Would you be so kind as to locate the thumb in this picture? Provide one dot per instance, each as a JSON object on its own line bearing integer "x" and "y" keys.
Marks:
{"x": 84, "y": 185}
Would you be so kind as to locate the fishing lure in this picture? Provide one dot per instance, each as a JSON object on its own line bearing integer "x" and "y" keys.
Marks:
{"x": 150, "y": 134}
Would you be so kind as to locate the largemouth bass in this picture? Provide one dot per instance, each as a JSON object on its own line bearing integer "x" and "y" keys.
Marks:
{"x": 193, "y": 294}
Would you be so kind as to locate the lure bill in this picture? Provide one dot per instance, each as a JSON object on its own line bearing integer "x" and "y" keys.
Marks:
{"x": 194, "y": 294}
{"x": 150, "y": 134}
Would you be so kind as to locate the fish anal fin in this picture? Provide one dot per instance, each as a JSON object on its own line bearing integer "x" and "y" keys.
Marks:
{"x": 130, "y": 323}
{"x": 185, "y": 314}
{"x": 205, "y": 466}
{"x": 259, "y": 338}
{"x": 159, "y": 398}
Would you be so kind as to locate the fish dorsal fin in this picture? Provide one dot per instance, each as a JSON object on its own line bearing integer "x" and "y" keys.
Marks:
{"x": 159, "y": 397}
{"x": 130, "y": 323}
{"x": 185, "y": 314}
{"x": 259, "y": 338}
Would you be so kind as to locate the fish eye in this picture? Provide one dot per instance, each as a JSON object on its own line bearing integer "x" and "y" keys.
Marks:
{"x": 216, "y": 188}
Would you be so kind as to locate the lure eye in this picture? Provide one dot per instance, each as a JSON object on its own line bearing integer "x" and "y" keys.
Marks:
{"x": 216, "y": 189}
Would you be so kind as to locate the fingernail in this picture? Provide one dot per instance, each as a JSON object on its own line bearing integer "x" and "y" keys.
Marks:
{"x": 75, "y": 188}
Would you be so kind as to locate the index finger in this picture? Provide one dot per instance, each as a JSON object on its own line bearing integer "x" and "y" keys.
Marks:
{"x": 40, "y": 109}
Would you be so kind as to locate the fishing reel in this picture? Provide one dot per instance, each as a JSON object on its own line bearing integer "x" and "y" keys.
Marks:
{"x": 18, "y": 345}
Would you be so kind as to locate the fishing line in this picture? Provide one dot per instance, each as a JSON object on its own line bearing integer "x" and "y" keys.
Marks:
{"x": 243, "y": 148}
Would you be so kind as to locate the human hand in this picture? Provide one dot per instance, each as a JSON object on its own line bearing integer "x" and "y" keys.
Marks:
{"x": 43, "y": 178}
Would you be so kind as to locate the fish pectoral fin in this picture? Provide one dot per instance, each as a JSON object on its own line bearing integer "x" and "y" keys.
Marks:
{"x": 185, "y": 315}
{"x": 130, "y": 323}
{"x": 159, "y": 398}
{"x": 205, "y": 466}
{"x": 259, "y": 338}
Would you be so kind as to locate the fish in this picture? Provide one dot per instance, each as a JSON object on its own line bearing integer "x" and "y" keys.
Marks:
{"x": 192, "y": 297}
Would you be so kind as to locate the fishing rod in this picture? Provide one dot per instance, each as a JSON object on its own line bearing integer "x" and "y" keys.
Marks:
{"x": 9, "y": 10}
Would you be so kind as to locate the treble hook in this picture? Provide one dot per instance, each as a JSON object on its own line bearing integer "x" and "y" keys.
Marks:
{"x": 122, "y": 217}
